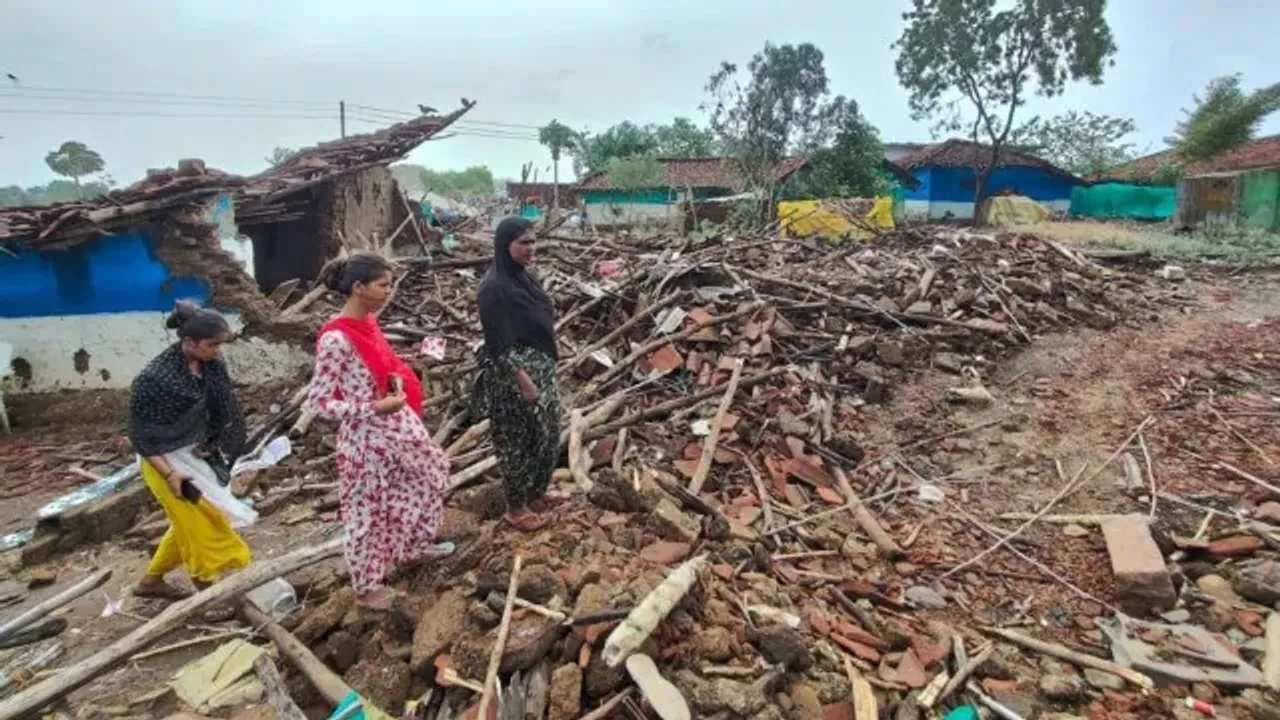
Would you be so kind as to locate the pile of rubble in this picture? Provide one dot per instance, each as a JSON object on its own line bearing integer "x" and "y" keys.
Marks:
{"x": 739, "y": 544}
{"x": 716, "y": 393}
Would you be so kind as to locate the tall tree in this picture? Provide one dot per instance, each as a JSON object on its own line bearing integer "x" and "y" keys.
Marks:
{"x": 1225, "y": 117}
{"x": 784, "y": 105}
{"x": 1083, "y": 143}
{"x": 74, "y": 160}
{"x": 624, "y": 140}
{"x": 280, "y": 156}
{"x": 851, "y": 166}
{"x": 558, "y": 138}
{"x": 683, "y": 138}
{"x": 967, "y": 64}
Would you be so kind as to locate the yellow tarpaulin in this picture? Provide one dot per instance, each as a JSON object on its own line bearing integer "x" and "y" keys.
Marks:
{"x": 1010, "y": 210}
{"x": 835, "y": 218}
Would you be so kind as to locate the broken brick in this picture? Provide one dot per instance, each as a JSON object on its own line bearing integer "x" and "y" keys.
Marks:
{"x": 1142, "y": 580}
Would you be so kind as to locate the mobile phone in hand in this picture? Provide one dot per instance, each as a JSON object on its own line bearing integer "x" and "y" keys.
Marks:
{"x": 190, "y": 492}
{"x": 396, "y": 385}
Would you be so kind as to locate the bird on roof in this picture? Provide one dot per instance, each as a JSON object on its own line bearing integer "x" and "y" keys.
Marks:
{"x": 467, "y": 103}
{"x": 426, "y": 109}
{"x": 12, "y": 77}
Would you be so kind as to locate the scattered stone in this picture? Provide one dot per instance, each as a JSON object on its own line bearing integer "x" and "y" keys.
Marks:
{"x": 1268, "y": 512}
{"x": 806, "y": 705}
{"x": 341, "y": 650}
{"x": 1142, "y": 580}
{"x": 1258, "y": 581}
{"x": 672, "y": 524}
{"x": 1104, "y": 680}
{"x": 440, "y": 626}
{"x": 326, "y": 617}
{"x": 792, "y": 425}
{"x": 782, "y": 645}
{"x": 383, "y": 680}
{"x": 529, "y": 640}
{"x": 1172, "y": 273}
{"x": 538, "y": 584}
{"x": 666, "y": 553}
{"x": 1217, "y": 587}
{"x": 715, "y": 644}
{"x": 566, "y": 693}
{"x": 1075, "y": 531}
{"x": 41, "y": 577}
{"x": 890, "y": 353}
{"x": 1178, "y": 616}
{"x": 925, "y": 597}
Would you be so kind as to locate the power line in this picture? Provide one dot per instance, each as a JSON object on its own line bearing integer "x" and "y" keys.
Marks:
{"x": 135, "y": 113}
{"x": 157, "y": 98}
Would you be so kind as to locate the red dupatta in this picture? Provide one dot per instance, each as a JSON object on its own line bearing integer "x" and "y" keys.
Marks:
{"x": 372, "y": 347}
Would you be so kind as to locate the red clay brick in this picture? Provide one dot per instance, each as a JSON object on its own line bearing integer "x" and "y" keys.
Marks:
{"x": 1142, "y": 580}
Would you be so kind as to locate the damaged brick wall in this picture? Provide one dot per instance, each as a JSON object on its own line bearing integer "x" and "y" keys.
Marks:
{"x": 361, "y": 207}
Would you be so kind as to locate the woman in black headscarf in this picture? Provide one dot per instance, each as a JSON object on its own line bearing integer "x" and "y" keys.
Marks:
{"x": 517, "y": 383}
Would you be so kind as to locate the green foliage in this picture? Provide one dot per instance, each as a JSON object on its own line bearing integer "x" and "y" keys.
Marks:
{"x": 280, "y": 156}
{"x": 557, "y": 137}
{"x": 682, "y": 138}
{"x": 783, "y": 105}
{"x": 1082, "y": 143}
{"x": 55, "y": 192}
{"x": 849, "y": 167}
{"x": 74, "y": 160}
{"x": 1168, "y": 173}
{"x": 473, "y": 181}
{"x": 636, "y": 173}
{"x": 1224, "y": 118}
{"x": 968, "y": 65}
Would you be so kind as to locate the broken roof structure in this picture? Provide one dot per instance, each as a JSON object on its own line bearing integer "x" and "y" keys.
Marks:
{"x": 64, "y": 224}
{"x": 1256, "y": 154}
{"x": 957, "y": 153}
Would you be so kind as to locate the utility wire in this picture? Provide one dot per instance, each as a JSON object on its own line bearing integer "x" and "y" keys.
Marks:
{"x": 142, "y": 97}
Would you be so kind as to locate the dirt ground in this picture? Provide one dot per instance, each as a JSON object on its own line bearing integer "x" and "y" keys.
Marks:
{"x": 1067, "y": 400}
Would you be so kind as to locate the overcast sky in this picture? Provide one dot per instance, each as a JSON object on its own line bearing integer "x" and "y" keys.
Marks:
{"x": 114, "y": 74}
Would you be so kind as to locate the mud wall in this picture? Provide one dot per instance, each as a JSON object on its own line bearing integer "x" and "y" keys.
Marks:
{"x": 362, "y": 209}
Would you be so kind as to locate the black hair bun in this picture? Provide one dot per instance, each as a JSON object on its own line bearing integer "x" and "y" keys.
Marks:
{"x": 183, "y": 310}
{"x": 332, "y": 278}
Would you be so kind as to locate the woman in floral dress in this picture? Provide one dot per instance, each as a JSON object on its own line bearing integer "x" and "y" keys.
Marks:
{"x": 393, "y": 474}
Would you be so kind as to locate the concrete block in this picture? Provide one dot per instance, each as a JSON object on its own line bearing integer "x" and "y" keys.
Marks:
{"x": 1142, "y": 579}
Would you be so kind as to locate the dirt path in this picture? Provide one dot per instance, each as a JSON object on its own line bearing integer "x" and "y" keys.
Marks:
{"x": 1070, "y": 399}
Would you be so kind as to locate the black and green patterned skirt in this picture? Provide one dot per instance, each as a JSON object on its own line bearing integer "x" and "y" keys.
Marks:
{"x": 526, "y": 435}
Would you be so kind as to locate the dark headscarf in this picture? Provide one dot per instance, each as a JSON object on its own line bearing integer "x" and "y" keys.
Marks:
{"x": 514, "y": 309}
{"x": 170, "y": 408}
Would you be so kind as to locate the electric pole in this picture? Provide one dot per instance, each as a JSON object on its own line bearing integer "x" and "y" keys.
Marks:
{"x": 342, "y": 117}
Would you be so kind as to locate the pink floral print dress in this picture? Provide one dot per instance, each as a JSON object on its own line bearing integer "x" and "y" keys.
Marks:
{"x": 393, "y": 474}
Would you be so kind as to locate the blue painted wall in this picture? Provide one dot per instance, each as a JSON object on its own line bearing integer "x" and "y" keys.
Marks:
{"x": 115, "y": 273}
{"x": 949, "y": 184}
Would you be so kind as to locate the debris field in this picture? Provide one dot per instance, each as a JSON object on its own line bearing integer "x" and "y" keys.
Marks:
{"x": 755, "y": 528}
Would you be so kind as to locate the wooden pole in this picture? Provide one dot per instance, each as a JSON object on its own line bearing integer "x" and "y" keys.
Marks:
{"x": 65, "y": 597}
{"x": 866, "y": 520}
{"x": 33, "y": 698}
{"x": 712, "y": 439}
{"x": 495, "y": 658}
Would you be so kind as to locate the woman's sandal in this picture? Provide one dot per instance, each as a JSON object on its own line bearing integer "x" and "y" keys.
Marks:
{"x": 161, "y": 591}
{"x": 547, "y": 502}
{"x": 529, "y": 522}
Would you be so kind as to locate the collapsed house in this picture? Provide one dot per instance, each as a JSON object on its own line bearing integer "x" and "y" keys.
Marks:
{"x": 85, "y": 285}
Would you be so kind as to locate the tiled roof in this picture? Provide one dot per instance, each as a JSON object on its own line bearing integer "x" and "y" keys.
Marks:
{"x": 1254, "y": 155}
{"x": 969, "y": 154}
{"x": 73, "y": 222}
{"x": 714, "y": 172}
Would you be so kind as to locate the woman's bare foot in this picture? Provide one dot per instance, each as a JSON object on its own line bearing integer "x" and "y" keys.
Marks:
{"x": 379, "y": 599}
{"x": 151, "y": 586}
{"x": 525, "y": 521}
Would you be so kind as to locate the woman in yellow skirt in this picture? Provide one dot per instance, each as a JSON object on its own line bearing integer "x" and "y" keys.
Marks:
{"x": 186, "y": 426}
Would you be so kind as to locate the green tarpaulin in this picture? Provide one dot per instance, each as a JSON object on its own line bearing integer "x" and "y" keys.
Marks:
{"x": 1121, "y": 200}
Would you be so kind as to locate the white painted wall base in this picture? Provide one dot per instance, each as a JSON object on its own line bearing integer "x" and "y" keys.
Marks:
{"x": 116, "y": 346}
{"x": 926, "y": 210}
{"x": 618, "y": 214}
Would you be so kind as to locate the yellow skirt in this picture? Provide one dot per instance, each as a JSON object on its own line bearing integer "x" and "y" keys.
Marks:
{"x": 199, "y": 537}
